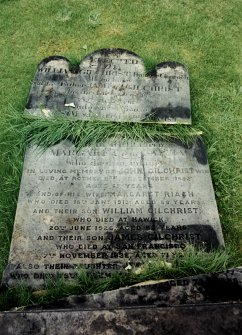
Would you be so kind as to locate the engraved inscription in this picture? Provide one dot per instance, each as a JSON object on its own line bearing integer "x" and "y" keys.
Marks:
{"x": 111, "y": 84}
{"x": 109, "y": 205}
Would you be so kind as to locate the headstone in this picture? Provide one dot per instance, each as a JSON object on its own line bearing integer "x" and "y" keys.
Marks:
{"x": 111, "y": 85}
{"x": 109, "y": 207}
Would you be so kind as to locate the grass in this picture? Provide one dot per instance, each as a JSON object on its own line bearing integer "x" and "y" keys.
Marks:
{"x": 204, "y": 35}
{"x": 49, "y": 131}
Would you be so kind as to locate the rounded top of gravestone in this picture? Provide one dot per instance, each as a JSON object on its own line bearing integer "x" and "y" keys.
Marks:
{"x": 116, "y": 52}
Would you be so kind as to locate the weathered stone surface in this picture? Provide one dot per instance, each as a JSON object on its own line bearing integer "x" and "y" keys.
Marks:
{"x": 220, "y": 319}
{"x": 208, "y": 304}
{"x": 211, "y": 288}
{"x": 108, "y": 206}
{"x": 111, "y": 84}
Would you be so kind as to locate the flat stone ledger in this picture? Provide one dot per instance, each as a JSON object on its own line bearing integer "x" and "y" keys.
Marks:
{"x": 109, "y": 206}
{"x": 111, "y": 85}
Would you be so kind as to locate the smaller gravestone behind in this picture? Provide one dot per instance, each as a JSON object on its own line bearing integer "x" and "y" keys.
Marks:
{"x": 112, "y": 85}
{"x": 110, "y": 206}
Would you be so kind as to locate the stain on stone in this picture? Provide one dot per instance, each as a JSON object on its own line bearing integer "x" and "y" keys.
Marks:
{"x": 52, "y": 58}
{"x": 151, "y": 202}
{"x": 73, "y": 68}
{"x": 133, "y": 297}
{"x": 170, "y": 64}
{"x": 100, "y": 324}
{"x": 152, "y": 73}
{"x": 168, "y": 112}
{"x": 106, "y": 52}
{"x": 156, "y": 233}
{"x": 57, "y": 76}
{"x": 149, "y": 187}
{"x": 25, "y": 325}
{"x": 199, "y": 149}
{"x": 200, "y": 152}
{"x": 143, "y": 165}
{"x": 181, "y": 144}
{"x": 208, "y": 236}
{"x": 216, "y": 288}
{"x": 29, "y": 103}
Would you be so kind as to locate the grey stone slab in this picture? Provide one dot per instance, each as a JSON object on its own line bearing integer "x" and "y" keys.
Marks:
{"x": 225, "y": 286}
{"x": 109, "y": 206}
{"x": 191, "y": 305}
{"x": 111, "y": 84}
{"x": 220, "y": 319}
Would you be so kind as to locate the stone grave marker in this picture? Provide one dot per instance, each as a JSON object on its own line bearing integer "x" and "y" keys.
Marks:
{"x": 110, "y": 206}
{"x": 112, "y": 85}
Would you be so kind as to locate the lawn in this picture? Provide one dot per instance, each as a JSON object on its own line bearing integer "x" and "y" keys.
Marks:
{"x": 206, "y": 36}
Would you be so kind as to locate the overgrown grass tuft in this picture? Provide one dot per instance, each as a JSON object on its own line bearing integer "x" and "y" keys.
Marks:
{"x": 49, "y": 131}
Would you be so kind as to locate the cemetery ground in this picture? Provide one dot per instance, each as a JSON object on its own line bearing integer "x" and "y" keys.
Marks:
{"x": 203, "y": 35}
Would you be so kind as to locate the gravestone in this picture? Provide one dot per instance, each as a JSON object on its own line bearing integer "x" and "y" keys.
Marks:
{"x": 111, "y": 85}
{"x": 108, "y": 207}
